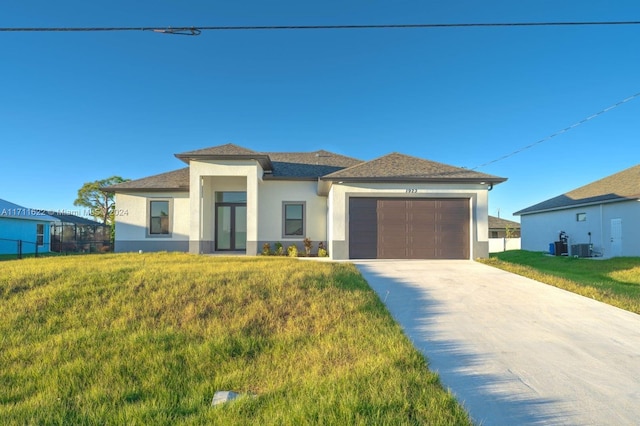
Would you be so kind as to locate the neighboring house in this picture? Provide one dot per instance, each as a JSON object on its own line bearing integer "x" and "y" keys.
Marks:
{"x": 23, "y": 230}
{"x": 72, "y": 233}
{"x": 603, "y": 216}
{"x": 231, "y": 198}
{"x": 502, "y": 228}
{"x": 503, "y": 235}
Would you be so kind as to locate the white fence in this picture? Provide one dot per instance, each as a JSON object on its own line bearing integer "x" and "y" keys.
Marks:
{"x": 503, "y": 244}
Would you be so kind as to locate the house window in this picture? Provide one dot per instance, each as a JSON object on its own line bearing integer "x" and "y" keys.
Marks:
{"x": 494, "y": 234}
{"x": 293, "y": 219}
{"x": 159, "y": 217}
{"x": 40, "y": 234}
{"x": 231, "y": 197}
{"x": 581, "y": 217}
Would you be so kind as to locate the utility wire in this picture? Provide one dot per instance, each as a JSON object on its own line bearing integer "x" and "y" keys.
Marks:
{"x": 197, "y": 30}
{"x": 559, "y": 132}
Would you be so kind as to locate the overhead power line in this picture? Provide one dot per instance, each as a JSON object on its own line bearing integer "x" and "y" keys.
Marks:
{"x": 559, "y": 132}
{"x": 197, "y": 30}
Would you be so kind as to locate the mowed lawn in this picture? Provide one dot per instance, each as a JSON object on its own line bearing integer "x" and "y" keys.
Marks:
{"x": 143, "y": 339}
{"x": 614, "y": 281}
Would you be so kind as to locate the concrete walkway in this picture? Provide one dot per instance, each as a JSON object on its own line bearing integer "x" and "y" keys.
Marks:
{"x": 515, "y": 351}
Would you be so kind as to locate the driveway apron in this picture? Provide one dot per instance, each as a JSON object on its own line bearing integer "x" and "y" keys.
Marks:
{"x": 515, "y": 351}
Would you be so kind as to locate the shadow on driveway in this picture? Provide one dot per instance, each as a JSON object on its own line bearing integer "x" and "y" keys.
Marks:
{"x": 492, "y": 393}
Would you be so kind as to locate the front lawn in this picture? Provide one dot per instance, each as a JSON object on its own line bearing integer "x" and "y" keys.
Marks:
{"x": 149, "y": 338}
{"x": 614, "y": 281}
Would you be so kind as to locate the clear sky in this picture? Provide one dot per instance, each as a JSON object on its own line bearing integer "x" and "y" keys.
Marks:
{"x": 77, "y": 107}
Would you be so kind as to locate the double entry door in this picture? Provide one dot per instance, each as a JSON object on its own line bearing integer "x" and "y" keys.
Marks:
{"x": 231, "y": 226}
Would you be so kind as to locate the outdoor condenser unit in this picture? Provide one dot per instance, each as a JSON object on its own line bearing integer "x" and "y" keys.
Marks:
{"x": 581, "y": 250}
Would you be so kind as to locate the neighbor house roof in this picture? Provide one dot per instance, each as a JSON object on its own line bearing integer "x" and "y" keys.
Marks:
{"x": 499, "y": 223}
{"x": 401, "y": 167}
{"x": 14, "y": 211}
{"x": 621, "y": 186}
{"x": 177, "y": 180}
{"x": 76, "y": 220}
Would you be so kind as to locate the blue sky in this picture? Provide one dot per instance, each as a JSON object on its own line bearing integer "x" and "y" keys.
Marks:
{"x": 77, "y": 107}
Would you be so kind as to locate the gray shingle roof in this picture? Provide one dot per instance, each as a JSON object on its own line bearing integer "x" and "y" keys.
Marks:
{"x": 226, "y": 149}
{"x": 621, "y": 186}
{"x": 177, "y": 180}
{"x": 311, "y": 165}
{"x": 497, "y": 222}
{"x": 397, "y": 166}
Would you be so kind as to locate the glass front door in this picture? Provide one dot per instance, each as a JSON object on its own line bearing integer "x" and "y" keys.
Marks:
{"x": 231, "y": 226}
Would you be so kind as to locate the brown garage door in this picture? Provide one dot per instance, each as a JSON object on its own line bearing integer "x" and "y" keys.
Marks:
{"x": 393, "y": 228}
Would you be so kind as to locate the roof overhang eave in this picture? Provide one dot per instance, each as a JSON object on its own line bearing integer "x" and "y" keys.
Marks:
{"x": 263, "y": 159}
{"x": 573, "y": 206}
{"x": 122, "y": 190}
{"x": 291, "y": 178}
{"x": 487, "y": 180}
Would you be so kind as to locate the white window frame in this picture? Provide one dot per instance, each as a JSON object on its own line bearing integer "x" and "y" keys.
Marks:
{"x": 40, "y": 236}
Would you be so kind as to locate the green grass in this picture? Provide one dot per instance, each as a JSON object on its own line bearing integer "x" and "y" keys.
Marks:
{"x": 148, "y": 339}
{"x": 614, "y": 281}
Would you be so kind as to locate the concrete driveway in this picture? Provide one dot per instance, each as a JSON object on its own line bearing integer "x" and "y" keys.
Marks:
{"x": 515, "y": 351}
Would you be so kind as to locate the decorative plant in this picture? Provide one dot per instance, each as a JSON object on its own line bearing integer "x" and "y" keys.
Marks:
{"x": 307, "y": 246}
{"x": 279, "y": 249}
{"x": 322, "y": 252}
{"x": 292, "y": 250}
{"x": 266, "y": 249}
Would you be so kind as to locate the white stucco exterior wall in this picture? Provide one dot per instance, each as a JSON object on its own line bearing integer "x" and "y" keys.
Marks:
{"x": 540, "y": 229}
{"x": 273, "y": 193}
{"x": 201, "y": 204}
{"x": 132, "y": 222}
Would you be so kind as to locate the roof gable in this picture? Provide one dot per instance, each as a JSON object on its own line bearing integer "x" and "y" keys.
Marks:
{"x": 396, "y": 166}
{"x": 226, "y": 152}
{"x": 226, "y": 149}
{"x": 624, "y": 185}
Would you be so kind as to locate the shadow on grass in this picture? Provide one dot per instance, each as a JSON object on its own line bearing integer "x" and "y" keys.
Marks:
{"x": 460, "y": 367}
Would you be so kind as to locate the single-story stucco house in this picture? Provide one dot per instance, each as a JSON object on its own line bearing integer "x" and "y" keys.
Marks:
{"x": 23, "y": 230}
{"x": 230, "y": 198}
{"x": 599, "y": 219}
{"x": 503, "y": 228}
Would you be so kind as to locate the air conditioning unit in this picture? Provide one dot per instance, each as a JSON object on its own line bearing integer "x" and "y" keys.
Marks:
{"x": 581, "y": 250}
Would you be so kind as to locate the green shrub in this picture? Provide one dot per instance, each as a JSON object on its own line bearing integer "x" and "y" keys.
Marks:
{"x": 279, "y": 249}
{"x": 322, "y": 252}
{"x": 266, "y": 249}
{"x": 292, "y": 250}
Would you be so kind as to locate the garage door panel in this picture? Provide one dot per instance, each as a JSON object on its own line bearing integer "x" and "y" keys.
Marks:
{"x": 363, "y": 228}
